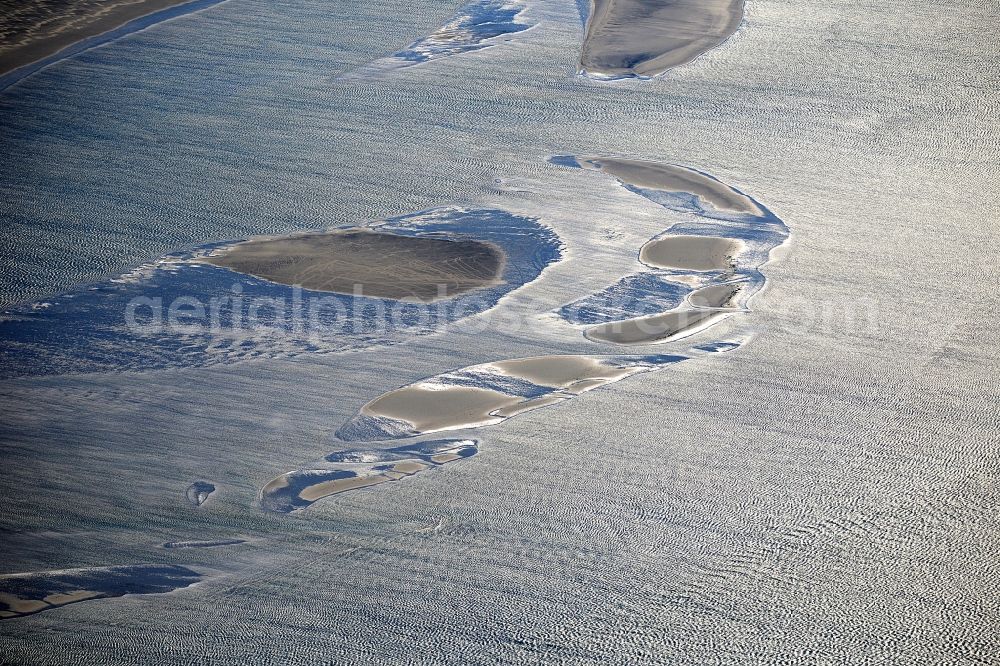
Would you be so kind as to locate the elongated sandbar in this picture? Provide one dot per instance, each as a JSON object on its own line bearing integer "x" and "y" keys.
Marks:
{"x": 655, "y": 329}
{"x": 644, "y": 38}
{"x": 672, "y": 178}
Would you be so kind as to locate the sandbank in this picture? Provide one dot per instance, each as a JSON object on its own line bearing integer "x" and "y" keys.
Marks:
{"x": 716, "y": 296}
{"x": 559, "y": 371}
{"x": 440, "y": 408}
{"x": 693, "y": 253}
{"x": 644, "y": 38}
{"x": 672, "y": 178}
{"x": 27, "y": 593}
{"x": 327, "y": 488}
{"x": 369, "y": 263}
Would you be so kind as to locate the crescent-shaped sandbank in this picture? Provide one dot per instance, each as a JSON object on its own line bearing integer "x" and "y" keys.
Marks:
{"x": 644, "y": 38}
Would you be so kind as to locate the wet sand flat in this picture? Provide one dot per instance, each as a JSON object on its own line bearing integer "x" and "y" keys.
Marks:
{"x": 327, "y": 488}
{"x": 70, "y": 597}
{"x": 651, "y": 330}
{"x": 18, "y": 606}
{"x": 693, "y": 253}
{"x": 360, "y": 261}
{"x": 672, "y": 178}
{"x": 299, "y": 489}
{"x": 430, "y": 410}
{"x": 644, "y": 38}
{"x": 529, "y": 405}
{"x": 35, "y": 30}
{"x": 559, "y": 371}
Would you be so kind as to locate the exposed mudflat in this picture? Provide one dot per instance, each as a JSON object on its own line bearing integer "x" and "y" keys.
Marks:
{"x": 369, "y": 263}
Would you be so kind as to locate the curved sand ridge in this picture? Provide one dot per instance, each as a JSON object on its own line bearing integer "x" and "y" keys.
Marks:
{"x": 693, "y": 253}
{"x": 356, "y": 469}
{"x": 701, "y": 271}
{"x": 476, "y": 396}
{"x": 644, "y": 38}
{"x": 27, "y": 593}
{"x": 370, "y": 263}
{"x": 490, "y": 393}
{"x": 648, "y": 175}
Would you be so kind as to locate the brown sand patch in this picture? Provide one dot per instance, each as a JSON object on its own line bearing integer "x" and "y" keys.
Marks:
{"x": 716, "y": 296}
{"x": 326, "y": 488}
{"x": 529, "y": 405}
{"x": 429, "y": 410}
{"x": 20, "y": 606}
{"x": 409, "y": 467}
{"x": 71, "y": 597}
{"x": 693, "y": 253}
{"x": 558, "y": 371}
{"x": 576, "y": 388}
{"x": 372, "y": 263}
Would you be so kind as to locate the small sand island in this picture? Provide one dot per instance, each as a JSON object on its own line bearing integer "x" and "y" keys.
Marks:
{"x": 378, "y": 264}
{"x": 430, "y": 407}
{"x": 671, "y": 178}
{"x": 644, "y": 38}
{"x": 485, "y": 394}
{"x": 693, "y": 253}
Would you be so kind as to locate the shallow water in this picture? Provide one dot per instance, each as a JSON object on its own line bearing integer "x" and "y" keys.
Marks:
{"x": 824, "y": 492}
